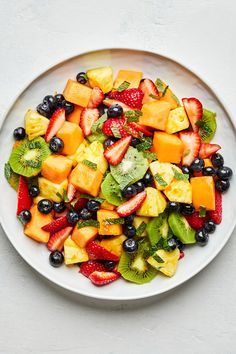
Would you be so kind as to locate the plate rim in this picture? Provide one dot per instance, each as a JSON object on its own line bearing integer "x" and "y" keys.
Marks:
{"x": 210, "y": 88}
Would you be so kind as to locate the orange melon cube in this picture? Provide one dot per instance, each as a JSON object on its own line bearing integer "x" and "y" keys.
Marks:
{"x": 77, "y": 93}
{"x": 207, "y": 163}
{"x": 82, "y": 236}
{"x": 169, "y": 95}
{"x": 168, "y": 148}
{"x": 155, "y": 114}
{"x": 108, "y": 206}
{"x": 34, "y": 228}
{"x": 74, "y": 117}
{"x": 106, "y": 229}
{"x": 203, "y": 192}
{"x": 72, "y": 136}
{"x": 56, "y": 168}
{"x": 133, "y": 77}
{"x": 86, "y": 179}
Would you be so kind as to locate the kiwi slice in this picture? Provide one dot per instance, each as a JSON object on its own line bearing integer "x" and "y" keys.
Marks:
{"x": 181, "y": 228}
{"x": 131, "y": 169}
{"x": 207, "y": 125}
{"x": 11, "y": 177}
{"x": 27, "y": 158}
{"x": 111, "y": 190}
{"x": 158, "y": 227}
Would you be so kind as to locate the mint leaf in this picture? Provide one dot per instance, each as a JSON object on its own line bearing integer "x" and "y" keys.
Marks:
{"x": 85, "y": 223}
{"x": 97, "y": 126}
{"x": 115, "y": 132}
{"x": 160, "y": 85}
{"x": 149, "y": 155}
{"x": 133, "y": 115}
{"x": 146, "y": 143}
{"x": 158, "y": 258}
{"x": 180, "y": 176}
{"x": 113, "y": 221}
{"x": 202, "y": 212}
{"x": 165, "y": 90}
{"x": 141, "y": 228}
{"x": 123, "y": 86}
{"x": 154, "y": 96}
{"x": 90, "y": 164}
{"x": 160, "y": 180}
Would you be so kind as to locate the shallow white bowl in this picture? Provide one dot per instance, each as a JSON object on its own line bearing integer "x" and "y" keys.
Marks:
{"x": 185, "y": 84}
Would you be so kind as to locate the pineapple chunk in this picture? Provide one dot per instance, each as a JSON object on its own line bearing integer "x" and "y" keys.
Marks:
{"x": 154, "y": 204}
{"x": 138, "y": 220}
{"x": 179, "y": 191}
{"x": 35, "y": 124}
{"x": 114, "y": 244}
{"x": 80, "y": 153}
{"x": 93, "y": 153}
{"x": 73, "y": 253}
{"x": 164, "y": 174}
{"x": 177, "y": 120}
{"x": 51, "y": 190}
{"x": 101, "y": 77}
{"x": 165, "y": 262}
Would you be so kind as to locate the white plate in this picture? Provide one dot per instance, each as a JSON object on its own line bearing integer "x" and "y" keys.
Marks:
{"x": 185, "y": 84}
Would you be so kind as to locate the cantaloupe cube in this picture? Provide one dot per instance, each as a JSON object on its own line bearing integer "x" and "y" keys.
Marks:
{"x": 34, "y": 228}
{"x": 74, "y": 117}
{"x": 177, "y": 120}
{"x": 84, "y": 235}
{"x": 52, "y": 191}
{"x": 133, "y": 77}
{"x": 168, "y": 148}
{"x": 56, "y": 168}
{"x": 86, "y": 179}
{"x": 114, "y": 244}
{"x": 105, "y": 229}
{"x": 72, "y": 137}
{"x": 207, "y": 163}
{"x": 77, "y": 93}
{"x": 155, "y": 114}
{"x": 203, "y": 192}
{"x": 73, "y": 253}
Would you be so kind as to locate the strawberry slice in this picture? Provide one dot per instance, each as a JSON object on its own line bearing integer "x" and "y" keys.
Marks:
{"x": 81, "y": 203}
{"x": 56, "y": 241}
{"x": 206, "y": 150}
{"x": 216, "y": 215}
{"x": 115, "y": 153}
{"x": 96, "y": 251}
{"x": 56, "y": 225}
{"x": 132, "y": 204}
{"x": 86, "y": 268}
{"x": 131, "y": 97}
{"x": 137, "y": 128}
{"x": 24, "y": 200}
{"x": 96, "y": 98}
{"x": 71, "y": 192}
{"x": 103, "y": 278}
{"x": 192, "y": 143}
{"x": 56, "y": 122}
{"x": 148, "y": 88}
{"x": 194, "y": 110}
{"x": 110, "y": 102}
{"x": 195, "y": 221}
{"x": 87, "y": 118}
{"x": 114, "y": 123}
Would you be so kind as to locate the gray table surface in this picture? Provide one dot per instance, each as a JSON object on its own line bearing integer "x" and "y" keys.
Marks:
{"x": 38, "y": 317}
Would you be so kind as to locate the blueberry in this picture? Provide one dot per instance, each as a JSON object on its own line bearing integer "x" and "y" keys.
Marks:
{"x": 209, "y": 226}
{"x": 147, "y": 179}
{"x": 135, "y": 142}
{"x": 59, "y": 99}
{"x": 140, "y": 186}
{"x": 68, "y": 106}
{"x": 129, "y": 230}
{"x": 201, "y": 237}
{"x": 56, "y": 144}
{"x": 19, "y": 133}
{"x": 187, "y": 209}
{"x": 197, "y": 165}
{"x": 34, "y": 191}
{"x": 129, "y": 191}
{"x": 81, "y": 77}
{"x": 102, "y": 109}
{"x": 179, "y": 244}
{"x": 45, "y": 206}
{"x": 172, "y": 243}
{"x": 109, "y": 142}
{"x": 115, "y": 111}
{"x": 222, "y": 185}
{"x": 224, "y": 172}
{"x": 85, "y": 214}
{"x": 110, "y": 265}
{"x": 130, "y": 245}
{"x": 129, "y": 219}
{"x": 93, "y": 205}
{"x": 25, "y": 216}
{"x": 209, "y": 171}
{"x": 50, "y": 100}
{"x": 217, "y": 160}
{"x": 59, "y": 207}
{"x": 56, "y": 259}
{"x": 72, "y": 217}
{"x": 44, "y": 109}
{"x": 186, "y": 170}
{"x": 174, "y": 206}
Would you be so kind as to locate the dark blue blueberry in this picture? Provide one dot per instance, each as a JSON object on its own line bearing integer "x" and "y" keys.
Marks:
{"x": 56, "y": 144}
{"x": 130, "y": 245}
{"x": 45, "y": 206}
{"x": 115, "y": 111}
{"x": 19, "y": 133}
{"x": 56, "y": 259}
{"x": 34, "y": 191}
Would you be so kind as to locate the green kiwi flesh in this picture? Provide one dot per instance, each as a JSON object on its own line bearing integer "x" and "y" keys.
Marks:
{"x": 181, "y": 228}
{"x": 111, "y": 190}
{"x": 207, "y": 126}
{"x": 158, "y": 227}
{"x": 11, "y": 177}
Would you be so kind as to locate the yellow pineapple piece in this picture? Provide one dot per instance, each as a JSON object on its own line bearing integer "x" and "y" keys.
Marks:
{"x": 80, "y": 153}
{"x": 101, "y": 77}
{"x": 177, "y": 120}
{"x": 52, "y": 191}
{"x": 138, "y": 220}
{"x": 35, "y": 124}
{"x": 114, "y": 244}
{"x": 154, "y": 204}
{"x": 73, "y": 253}
{"x": 179, "y": 191}
{"x": 165, "y": 262}
{"x": 163, "y": 174}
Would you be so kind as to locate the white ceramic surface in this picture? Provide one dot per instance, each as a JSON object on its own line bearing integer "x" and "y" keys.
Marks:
{"x": 184, "y": 84}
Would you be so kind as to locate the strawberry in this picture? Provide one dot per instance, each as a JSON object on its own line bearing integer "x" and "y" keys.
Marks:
{"x": 216, "y": 215}
{"x": 206, "y": 150}
{"x": 117, "y": 123}
{"x": 103, "y": 278}
{"x": 192, "y": 143}
{"x": 136, "y": 128}
{"x": 96, "y": 98}
{"x": 148, "y": 88}
{"x": 87, "y": 118}
{"x": 115, "y": 153}
{"x": 56, "y": 225}
{"x": 56, "y": 241}
{"x": 24, "y": 200}
{"x": 194, "y": 110}
{"x": 81, "y": 203}
{"x": 195, "y": 221}
{"x": 71, "y": 191}
{"x": 96, "y": 251}
{"x": 131, "y": 97}
{"x": 110, "y": 102}
{"x": 86, "y": 268}
{"x": 55, "y": 124}
{"x": 181, "y": 255}
{"x": 132, "y": 204}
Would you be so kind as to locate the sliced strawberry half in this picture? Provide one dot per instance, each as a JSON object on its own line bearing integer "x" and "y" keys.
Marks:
{"x": 136, "y": 129}
{"x": 87, "y": 118}
{"x": 71, "y": 192}
{"x": 132, "y": 204}
{"x": 131, "y": 97}
{"x": 216, "y": 215}
{"x": 114, "y": 123}
{"x": 115, "y": 153}
{"x": 110, "y": 102}
{"x": 56, "y": 241}
{"x": 81, "y": 203}
{"x": 56, "y": 122}
{"x": 103, "y": 278}
{"x": 206, "y": 150}
{"x": 56, "y": 225}
{"x": 96, "y": 98}
{"x": 148, "y": 88}
{"x": 195, "y": 221}
{"x": 192, "y": 143}
{"x": 96, "y": 251}
{"x": 24, "y": 200}
{"x": 86, "y": 268}
{"x": 194, "y": 110}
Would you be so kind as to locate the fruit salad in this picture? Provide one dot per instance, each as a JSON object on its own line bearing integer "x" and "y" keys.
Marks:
{"x": 117, "y": 176}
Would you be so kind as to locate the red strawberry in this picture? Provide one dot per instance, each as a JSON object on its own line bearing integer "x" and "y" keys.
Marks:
{"x": 55, "y": 123}
{"x": 81, "y": 203}
{"x": 103, "y": 278}
{"x": 117, "y": 123}
{"x": 131, "y": 97}
{"x": 96, "y": 98}
{"x": 24, "y": 200}
{"x": 193, "y": 108}
{"x": 87, "y": 118}
{"x": 110, "y": 102}
{"x": 115, "y": 153}
{"x": 216, "y": 215}
{"x": 71, "y": 192}
{"x": 192, "y": 143}
{"x": 181, "y": 255}
{"x": 195, "y": 221}
{"x": 96, "y": 251}
{"x": 56, "y": 225}
{"x": 86, "y": 268}
{"x": 137, "y": 128}
{"x": 148, "y": 88}
{"x": 56, "y": 241}
{"x": 206, "y": 150}
{"x": 132, "y": 204}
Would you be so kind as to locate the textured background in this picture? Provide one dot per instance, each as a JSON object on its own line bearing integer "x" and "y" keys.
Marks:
{"x": 36, "y": 317}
